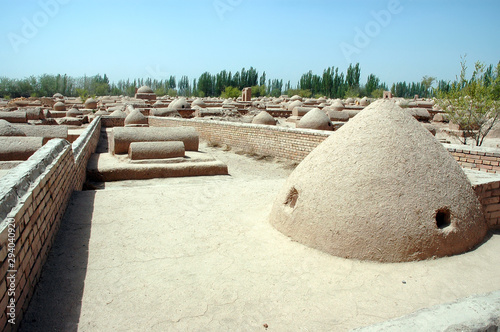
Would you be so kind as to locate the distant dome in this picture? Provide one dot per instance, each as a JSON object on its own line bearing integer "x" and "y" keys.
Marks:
{"x": 198, "y": 102}
{"x": 264, "y": 118}
{"x": 73, "y": 113}
{"x": 337, "y": 105}
{"x": 58, "y": 96}
{"x": 364, "y": 101}
{"x": 59, "y": 106}
{"x": 381, "y": 188}
{"x": 165, "y": 111}
{"x": 145, "y": 89}
{"x": 118, "y": 114}
{"x": 293, "y": 104}
{"x": 296, "y": 97}
{"x": 136, "y": 118}
{"x": 91, "y": 103}
{"x": 179, "y": 104}
{"x": 315, "y": 119}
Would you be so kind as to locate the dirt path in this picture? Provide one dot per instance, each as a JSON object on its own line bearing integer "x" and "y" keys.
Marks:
{"x": 197, "y": 254}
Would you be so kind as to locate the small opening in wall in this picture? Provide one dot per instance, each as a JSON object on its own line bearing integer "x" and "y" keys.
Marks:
{"x": 291, "y": 198}
{"x": 443, "y": 218}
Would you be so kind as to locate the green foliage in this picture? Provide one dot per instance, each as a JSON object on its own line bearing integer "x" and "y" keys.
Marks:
{"x": 473, "y": 103}
{"x": 378, "y": 93}
{"x": 160, "y": 92}
{"x": 83, "y": 94}
{"x": 231, "y": 92}
{"x": 303, "y": 93}
{"x": 352, "y": 92}
{"x": 172, "y": 92}
{"x": 184, "y": 87}
{"x": 259, "y": 91}
{"x": 427, "y": 82}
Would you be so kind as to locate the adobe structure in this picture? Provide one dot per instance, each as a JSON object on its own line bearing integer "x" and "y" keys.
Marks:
{"x": 380, "y": 188}
{"x": 246, "y": 94}
{"x": 146, "y": 93}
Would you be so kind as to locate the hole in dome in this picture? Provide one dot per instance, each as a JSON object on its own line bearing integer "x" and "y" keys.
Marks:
{"x": 443, "y": 218}
{"x": 291, "y": 198}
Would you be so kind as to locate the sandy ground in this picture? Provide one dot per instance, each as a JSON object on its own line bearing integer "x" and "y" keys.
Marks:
{"x": 198, "y": 254}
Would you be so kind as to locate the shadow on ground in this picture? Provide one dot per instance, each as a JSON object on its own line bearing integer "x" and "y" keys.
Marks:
{"x": 56, "y": 303}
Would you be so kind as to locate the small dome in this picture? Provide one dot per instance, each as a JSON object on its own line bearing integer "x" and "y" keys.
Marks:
{"x": 315, "y": 119}
{"x": 145, "y": 89}
{"x": 59, "y": 106}
{"x": 101, "y": 112}
{"x": 73, "y": 113}
{"x": 118, "y": 114}
{"x": 264, "y": 118}
{"x": 136, "y": 118}
{"x": 198, "y": 102}
{"x": 91, "y": 103}
{"x": 165, "y": 111}
{"x": 296, "y": 97}
{"x": 364, "y": 101}
{"x": 179, "y": 104}
{"x": 58, "y": 96}
{"x": 293, "y": 104}
{"x": 337, "y": 106}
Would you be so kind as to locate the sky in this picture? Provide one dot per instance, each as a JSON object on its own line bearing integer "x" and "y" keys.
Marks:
{"x": 397, "y": 40}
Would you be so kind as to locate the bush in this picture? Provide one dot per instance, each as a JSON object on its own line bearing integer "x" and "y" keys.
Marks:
{"x": 473, "y": 103}
{"x": 231, "y": 92}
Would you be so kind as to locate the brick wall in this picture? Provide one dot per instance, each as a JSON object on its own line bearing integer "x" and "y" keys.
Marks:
{"x": 295, "y": 144}
{"x": 33, "y": 199}
{"x": 489, "y": 196}
{"x": 289, "y": 143}
{"x": 83, "y": 147}
{"x": 477, "y": 158}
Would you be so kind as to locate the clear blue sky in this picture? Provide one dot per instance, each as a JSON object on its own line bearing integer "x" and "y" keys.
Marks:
{"x": 284, "y": 38}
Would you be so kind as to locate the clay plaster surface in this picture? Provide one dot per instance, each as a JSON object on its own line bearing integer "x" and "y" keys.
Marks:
{"x": 198, "y": 254}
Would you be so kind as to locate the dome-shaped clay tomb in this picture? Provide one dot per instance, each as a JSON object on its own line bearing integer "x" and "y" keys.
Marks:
{"x": 380, "y": 188}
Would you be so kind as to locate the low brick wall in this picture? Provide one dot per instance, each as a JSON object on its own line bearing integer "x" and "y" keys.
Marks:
{"x": 489, "y": 196}
{"x": 295, "y": 144}
{"x": 289, "y": 143}
{"x": 83, "y": 147}
{"x": 477, "y": 158}
{"x": 33, "y": 199}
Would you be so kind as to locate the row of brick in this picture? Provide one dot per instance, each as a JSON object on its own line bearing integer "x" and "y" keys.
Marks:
{"x": 37, "y": 217}
{"x": 489, "y": 195}
{"x": 264, "y": 140}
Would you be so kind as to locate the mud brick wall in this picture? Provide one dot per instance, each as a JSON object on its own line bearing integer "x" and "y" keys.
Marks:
{"x": 33, "y": 199}
{"x": 477, "y": 158}
{"x": 83, "y": 147}
{"x": 289, "y": 143}
{"x": 489, "y": 196}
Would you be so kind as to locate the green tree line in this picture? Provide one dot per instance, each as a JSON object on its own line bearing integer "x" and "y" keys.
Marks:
{"x": 332, "y": 83}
